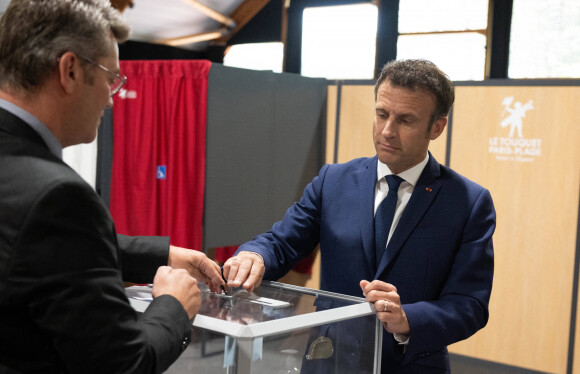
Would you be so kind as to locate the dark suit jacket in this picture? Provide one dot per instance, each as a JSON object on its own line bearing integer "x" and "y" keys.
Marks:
{"x": 62, "y": 304}
{"x": 441, "y": 253}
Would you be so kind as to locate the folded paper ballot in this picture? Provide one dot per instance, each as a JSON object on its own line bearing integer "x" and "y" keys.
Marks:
{"x": 253, "y": 298}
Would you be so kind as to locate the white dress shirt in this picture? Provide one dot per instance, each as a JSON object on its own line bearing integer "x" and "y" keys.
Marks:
{"x": 410, "y": 178}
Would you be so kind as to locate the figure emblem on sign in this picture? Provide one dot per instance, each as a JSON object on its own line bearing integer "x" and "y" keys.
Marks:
{"x": 516, "y": 113}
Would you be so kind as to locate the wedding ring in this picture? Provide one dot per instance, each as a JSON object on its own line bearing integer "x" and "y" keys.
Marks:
{"x": 386, "y": 307}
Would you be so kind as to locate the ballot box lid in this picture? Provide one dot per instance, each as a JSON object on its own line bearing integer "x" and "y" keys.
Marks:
{"x": 273, "y": 308}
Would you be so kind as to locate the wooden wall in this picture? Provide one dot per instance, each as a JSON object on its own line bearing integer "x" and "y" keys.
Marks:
{"x": 534, "y": 181}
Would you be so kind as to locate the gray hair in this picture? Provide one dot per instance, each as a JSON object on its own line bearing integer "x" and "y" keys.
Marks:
{"x": 420, "y": 75}
{"x": 35, "y": 33}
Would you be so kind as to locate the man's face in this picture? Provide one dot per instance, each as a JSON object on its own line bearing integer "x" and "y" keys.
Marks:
{"x": 96, "y": 96}
{"x": 401, "y": 126}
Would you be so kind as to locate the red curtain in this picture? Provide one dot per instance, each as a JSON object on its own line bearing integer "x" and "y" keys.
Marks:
{"x": 222, "y": 254}
{"x": 158, "y": 177}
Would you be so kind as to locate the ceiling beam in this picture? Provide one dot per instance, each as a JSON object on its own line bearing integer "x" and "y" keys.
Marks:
{"x": 211, "y": 13}
{"x": 195, "y": 38}
{"x": 242, "y": 15}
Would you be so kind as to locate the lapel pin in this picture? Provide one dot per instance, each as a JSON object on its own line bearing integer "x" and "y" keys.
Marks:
{"x": 428, "y": 189}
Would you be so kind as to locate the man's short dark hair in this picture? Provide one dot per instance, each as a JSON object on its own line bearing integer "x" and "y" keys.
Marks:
{"x": 420, "y": 75}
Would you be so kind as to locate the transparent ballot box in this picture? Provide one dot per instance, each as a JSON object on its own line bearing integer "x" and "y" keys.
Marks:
{"x": 278, "y": 328}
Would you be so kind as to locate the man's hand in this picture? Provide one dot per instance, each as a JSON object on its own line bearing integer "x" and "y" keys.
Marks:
{"x": 246, "y": 270}
{"x": 198, "y": 265}
{"x": 179, "y": 284}
{"x": 388, "y": 305}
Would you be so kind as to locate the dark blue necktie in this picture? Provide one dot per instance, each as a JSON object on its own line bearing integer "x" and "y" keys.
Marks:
{"x": 384, "y": 216}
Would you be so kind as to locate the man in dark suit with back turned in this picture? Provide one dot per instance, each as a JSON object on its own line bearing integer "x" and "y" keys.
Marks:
{"x": 430, "y": 278}
{"x": 62, "y": 304}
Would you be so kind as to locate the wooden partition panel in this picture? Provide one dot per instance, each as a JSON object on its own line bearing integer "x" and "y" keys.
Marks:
{"x": 271, "y": 120}
{"x": 522, "y": 143}
{"x": 357, "y": 109}
{"x": 576, "y": 352}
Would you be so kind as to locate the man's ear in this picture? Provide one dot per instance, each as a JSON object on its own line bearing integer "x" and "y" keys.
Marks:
{"x": 70, "y": 72}
{"x": 437, "y": 128}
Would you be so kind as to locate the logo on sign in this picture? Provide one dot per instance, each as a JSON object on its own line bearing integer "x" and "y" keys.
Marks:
{"x": 515, "y": 115}
{"x": 515, "y": 148}
{"x": 161, "y": 172}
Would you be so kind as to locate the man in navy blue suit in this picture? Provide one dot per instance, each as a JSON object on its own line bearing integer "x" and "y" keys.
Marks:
{"x": 432, "y": 282}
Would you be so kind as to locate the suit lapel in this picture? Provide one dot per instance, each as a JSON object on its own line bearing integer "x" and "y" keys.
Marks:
{"x": 368, "y": 180}
{"x": 423, "y": 196}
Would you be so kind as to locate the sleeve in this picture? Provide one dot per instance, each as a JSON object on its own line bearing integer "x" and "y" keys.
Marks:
{"x": 295, "y": 236}
{"x": 66, "y": 271}
{"x": 141, "y": 256}
{"x": 462, "y": 308}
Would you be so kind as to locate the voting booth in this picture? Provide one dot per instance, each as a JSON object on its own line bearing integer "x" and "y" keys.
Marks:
{"x": 278, "y": 328}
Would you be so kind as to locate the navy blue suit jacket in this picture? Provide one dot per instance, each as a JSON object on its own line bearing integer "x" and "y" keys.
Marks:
{"x": 441, "y": 253}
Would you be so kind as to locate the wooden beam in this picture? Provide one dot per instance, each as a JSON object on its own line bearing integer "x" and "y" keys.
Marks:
{"x": 479, "y": 31}
{"x": 242, "y": 15}
{"x": 195, "y": 38}
{"x": 211, "y": 13}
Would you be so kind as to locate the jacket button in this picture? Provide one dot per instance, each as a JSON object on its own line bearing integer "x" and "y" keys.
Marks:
{"x": 185, "y": 343}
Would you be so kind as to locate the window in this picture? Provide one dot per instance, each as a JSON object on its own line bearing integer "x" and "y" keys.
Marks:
{"x": 450, "y": 33}
{"x": 339, "y": 42}
{"x": 545, "y": 39}
{"x": 256, "y": 56}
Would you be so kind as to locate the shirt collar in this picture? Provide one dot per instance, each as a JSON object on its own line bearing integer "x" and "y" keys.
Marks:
{"x": 410, "y": 175}
{"x": 51, "y": 141}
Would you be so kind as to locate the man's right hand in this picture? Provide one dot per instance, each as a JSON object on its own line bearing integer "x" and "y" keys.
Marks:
{"x": 246, "y": 270}
{"x": 179, "y": 284}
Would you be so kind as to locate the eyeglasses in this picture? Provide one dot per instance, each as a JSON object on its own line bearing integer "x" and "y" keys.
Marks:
{"x": 119, "y": 81}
